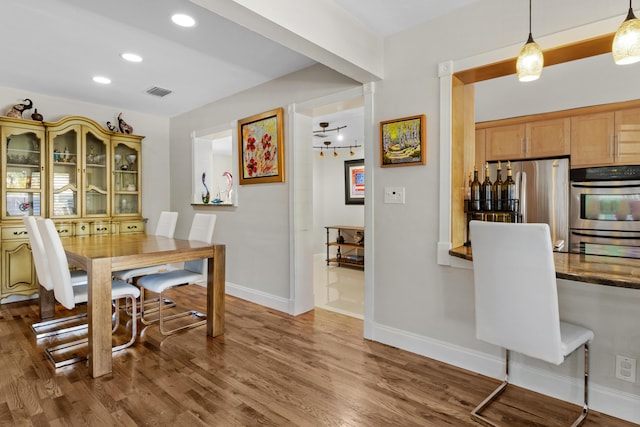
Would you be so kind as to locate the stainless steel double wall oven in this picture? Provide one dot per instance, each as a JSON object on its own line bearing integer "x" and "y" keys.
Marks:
{"x": 605, "y": 211}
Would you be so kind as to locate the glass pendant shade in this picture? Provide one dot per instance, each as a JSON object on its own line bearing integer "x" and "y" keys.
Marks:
{"x": 530, "y": 61}
{"x": 626, "y": 43}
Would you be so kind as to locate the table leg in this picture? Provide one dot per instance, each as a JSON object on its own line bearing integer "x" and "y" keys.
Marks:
{"x": 47, "y": 303}
{"x": 216, "y": 292}
{"x": 99, "y": 313}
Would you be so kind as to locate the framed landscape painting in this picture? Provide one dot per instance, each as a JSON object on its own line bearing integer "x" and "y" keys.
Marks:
{"x": 260, "y": 151}
{"x": 354, "y": 182}
{"x": 403, "y": 141}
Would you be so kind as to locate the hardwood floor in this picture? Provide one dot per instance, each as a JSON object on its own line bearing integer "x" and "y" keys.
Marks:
{"x": 268, "y": 369}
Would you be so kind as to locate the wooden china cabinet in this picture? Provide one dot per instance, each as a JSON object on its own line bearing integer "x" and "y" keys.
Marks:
{"x": 84, "y": 177}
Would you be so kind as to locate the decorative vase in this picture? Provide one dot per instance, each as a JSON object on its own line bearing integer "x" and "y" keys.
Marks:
{"x": 36, "y": 116}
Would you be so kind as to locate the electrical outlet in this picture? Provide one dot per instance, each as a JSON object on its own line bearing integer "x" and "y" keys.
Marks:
{"x": 394, "y": 195}
{"x": 626, "y": 368}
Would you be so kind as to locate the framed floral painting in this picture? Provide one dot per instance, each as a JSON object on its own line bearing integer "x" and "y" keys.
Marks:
{"x": 261, "y": 152}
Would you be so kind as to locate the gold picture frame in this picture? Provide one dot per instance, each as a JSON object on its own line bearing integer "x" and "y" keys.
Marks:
{"x": 261, "y": 148}
{"x": 403, "y": 141}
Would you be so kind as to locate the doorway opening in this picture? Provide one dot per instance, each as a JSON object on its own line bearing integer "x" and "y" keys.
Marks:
{"x": 338, "y": 287}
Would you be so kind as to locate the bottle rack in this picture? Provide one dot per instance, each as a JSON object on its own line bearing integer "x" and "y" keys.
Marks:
{"x": 495, "y": 215}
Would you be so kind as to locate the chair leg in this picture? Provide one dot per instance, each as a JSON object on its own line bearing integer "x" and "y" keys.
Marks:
{"x": 194, "y": 313}
{"x": 42, "y": 329}
{"x": 134, "y": 326}
{"x": 585, "y": 407}
{"x": 475, "y": 414}
{"x": 49, "y": 352}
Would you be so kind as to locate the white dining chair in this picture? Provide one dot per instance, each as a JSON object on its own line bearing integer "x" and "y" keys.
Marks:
{"x": 202, "y": 229}
{"x": 166, "y": 227}
{"x": 48, "y": 328}
{"x": 69, "y": 295}
{"x": 516, "y": 300}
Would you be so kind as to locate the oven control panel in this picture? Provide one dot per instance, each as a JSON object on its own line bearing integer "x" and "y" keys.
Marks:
{"x": 606, "y": 173}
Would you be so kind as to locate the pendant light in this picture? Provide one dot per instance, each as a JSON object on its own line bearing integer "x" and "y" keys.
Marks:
{"x": 626, "y": 43}
{"x": 530, "y": 61}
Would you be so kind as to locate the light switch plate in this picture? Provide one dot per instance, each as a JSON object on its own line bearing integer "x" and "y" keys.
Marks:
{"x": 394, "y": 195}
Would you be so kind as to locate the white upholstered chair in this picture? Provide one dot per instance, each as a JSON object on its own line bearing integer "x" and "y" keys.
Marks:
{"x": 202, "y": 229}
{"x": 48, "y": 328}
{"x": 166, "y": 227}
{"x": 516, "y": 300}
{"x": 69, "y": 295}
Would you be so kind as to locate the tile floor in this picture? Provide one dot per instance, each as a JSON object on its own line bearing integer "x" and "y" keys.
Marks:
{"x": 339, "y": 289}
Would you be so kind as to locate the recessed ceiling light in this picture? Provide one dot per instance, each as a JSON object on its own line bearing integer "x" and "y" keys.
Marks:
{"x": 131, "y": 57}
{"x": 183, "y": 20}
{"x": 102, "y": 80}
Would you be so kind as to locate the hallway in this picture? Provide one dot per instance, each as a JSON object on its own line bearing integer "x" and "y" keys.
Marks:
{"x": 338, "y": 289}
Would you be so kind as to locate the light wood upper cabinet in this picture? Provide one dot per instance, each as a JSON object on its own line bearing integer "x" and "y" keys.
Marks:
{"x": 80, "y": 169}
{"x": 607, "y": 138}
{"x": 592, "y": 139}
{"x": 22, "y": 166}
{"x": 543, "y": 138}
{"x": 505, "y": 142}
{"x": 627, "y": 148}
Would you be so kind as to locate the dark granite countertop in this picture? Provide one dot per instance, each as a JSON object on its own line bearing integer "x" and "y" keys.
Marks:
{"x": 596, "y": 269}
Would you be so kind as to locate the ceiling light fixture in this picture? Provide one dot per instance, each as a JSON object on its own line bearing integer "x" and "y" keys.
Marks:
{"x": 327, "y": 146}
{"x": 131, "y": 57}
{"x": 324, "y": 132}
{"x": 530, "y": 61}
{"x": 183, "y": 20}
{"x": 626, "y": 42}
{"x": 102, "y": 80}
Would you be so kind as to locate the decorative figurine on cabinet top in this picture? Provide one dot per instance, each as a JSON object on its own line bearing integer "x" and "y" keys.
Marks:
{"x": 17, "y": 110}
{"x": 37, "y": 116}
{"x": 111, "y": 127}
{"x": 124, "y": 126}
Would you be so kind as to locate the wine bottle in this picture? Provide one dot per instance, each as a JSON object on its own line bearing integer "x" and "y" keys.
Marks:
{"x": 475, "y": 191}
{"x": 509, "y": 192}
{"x": 486, "y": 190}
{"x": 497, "y": 189}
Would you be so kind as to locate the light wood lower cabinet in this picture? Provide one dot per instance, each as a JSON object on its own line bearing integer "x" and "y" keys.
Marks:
{"x": 18, "y": 272}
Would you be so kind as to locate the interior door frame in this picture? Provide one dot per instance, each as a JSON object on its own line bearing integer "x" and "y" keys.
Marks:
{"x": 301, "y": 288}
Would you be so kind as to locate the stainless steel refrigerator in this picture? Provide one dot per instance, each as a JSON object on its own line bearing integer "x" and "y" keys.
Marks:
{"x": 542, "y": 186}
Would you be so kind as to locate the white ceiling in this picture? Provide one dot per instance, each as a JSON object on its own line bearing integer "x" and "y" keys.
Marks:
{"x": 55, "y": 47}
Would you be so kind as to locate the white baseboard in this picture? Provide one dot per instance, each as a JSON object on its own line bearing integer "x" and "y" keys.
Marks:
{"x": 602, "y": 399}
{"x": 258, "y": 297}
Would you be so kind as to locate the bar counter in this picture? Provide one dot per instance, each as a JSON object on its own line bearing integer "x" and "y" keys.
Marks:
{"x": 596, "y": 269}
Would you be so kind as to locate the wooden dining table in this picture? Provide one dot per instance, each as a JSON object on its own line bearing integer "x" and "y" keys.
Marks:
{"x": 102, "y": 255}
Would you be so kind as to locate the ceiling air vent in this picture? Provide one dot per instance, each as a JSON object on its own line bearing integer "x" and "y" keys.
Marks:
{"x": 158, "y": 91}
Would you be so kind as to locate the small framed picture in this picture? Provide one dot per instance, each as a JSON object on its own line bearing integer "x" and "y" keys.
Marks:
{"x": 403, "y": 141}
{"x": 354, "y": 182}
{"x": 261, "y": 148}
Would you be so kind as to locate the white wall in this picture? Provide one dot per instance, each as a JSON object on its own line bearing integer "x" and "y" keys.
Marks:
{"x": 257, "y": 231}
{"x": 428, "y": 308}
{"x": 155, "y": 145}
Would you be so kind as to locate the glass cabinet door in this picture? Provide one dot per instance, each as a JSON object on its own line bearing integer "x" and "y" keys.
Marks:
{"x": 23, "y": 166}
{"x": 64, "y": 152}
{"x": 96, "y": 176}
{"x": 126, "y": 177}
